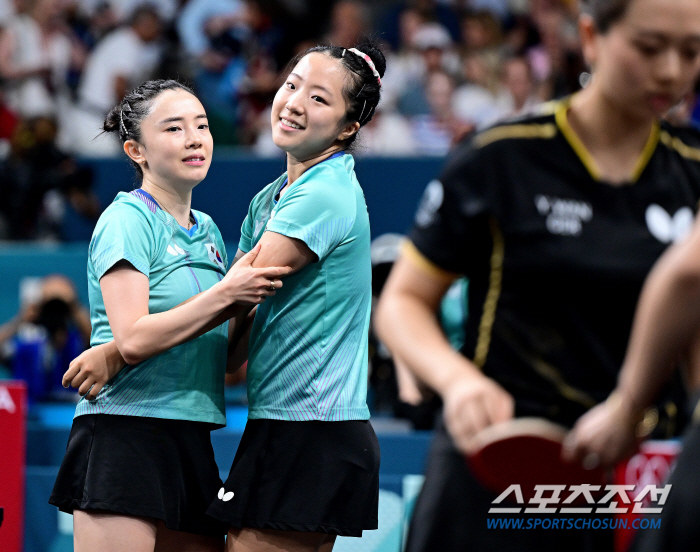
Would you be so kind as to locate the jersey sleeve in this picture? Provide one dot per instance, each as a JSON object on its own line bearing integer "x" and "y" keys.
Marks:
{"x": 122, "y": 233}
{"x": 452, "y": 227}
{"x": 316, "y": 213}
{"x": 245, "y": 244}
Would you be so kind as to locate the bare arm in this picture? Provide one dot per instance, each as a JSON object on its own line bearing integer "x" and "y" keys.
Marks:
{"x": 407, "y": 323}
{"x": 129, "y": 316}
{"x": 666, "y": 321}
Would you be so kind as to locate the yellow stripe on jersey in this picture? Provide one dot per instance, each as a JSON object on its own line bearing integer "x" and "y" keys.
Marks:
{"x": 585, "y": 156}
{"x": 410, "y": 252}
{"x": 546, "y": 130}
{"x": 488, "y": 315}
{"x": 677, "y": 144}
{"x": 647, "y": 152}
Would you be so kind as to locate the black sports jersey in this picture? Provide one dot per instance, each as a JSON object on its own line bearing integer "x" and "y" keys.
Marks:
{"x": 556, "y": 258}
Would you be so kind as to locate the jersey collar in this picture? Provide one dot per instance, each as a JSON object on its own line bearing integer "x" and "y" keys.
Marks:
{"x": 585, "y": 156}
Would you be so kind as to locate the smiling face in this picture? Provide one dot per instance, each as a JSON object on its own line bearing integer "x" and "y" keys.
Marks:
{"x": 176, "y": 146}
{"x": 309, "y": 110}
{"x": 650, "y": 58}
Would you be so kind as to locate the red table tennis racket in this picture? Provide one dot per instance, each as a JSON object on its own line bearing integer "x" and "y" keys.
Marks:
{"x": 527, "y": 452}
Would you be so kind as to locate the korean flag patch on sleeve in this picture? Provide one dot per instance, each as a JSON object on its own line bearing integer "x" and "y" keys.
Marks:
{"x": 215, "y": 256}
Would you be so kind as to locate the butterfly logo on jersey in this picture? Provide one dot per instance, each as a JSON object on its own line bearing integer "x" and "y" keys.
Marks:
{"x": 175, "y": 250}
{"x": 667, "y": 228}
{"x": 225, "y": 496}
{"x": 215, "y": 256}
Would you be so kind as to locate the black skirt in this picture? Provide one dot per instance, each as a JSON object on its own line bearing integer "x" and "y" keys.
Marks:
{"x": 303, "y": 476}
{"x": 145, "y": 467}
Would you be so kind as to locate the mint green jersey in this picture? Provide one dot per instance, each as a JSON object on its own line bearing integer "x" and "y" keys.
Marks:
{"x": 308, "y": 346}
{"x": 187, "y": 381}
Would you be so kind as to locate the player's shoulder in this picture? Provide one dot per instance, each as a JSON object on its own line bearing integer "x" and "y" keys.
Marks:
{"x": 684, "y": 140}
{"x": 130, "y": 207}
{"x": 539, "y": 124}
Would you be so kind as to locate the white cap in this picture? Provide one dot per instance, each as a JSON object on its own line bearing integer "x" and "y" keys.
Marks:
{"x": 432, "y": 35}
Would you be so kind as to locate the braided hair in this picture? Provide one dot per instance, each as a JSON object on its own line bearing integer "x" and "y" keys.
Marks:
{"x": 125, "y": 118}
{"x": 363, "y": 89}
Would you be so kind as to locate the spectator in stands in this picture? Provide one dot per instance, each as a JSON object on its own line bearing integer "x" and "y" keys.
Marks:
{"x": 36, "y": 53}
{"x": 43, "y": 338}
{"x": 122, "y": 59}
{"x": 349, "y": 23}
{"x": 388, "y": 133}
{"x": 518, "y": 95}
{"x": 38, "y": 181}
{"x": 476, "y": 100}
{"x": 435, "y": 45}
{"x": 435, "y": 132}
{"x": 215, "y": 33}
{"x": 481, "y": 30}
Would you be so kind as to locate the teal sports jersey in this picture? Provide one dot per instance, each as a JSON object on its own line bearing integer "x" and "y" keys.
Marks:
{"x": 187, "y": 381}
{"x": 307, "y": 356}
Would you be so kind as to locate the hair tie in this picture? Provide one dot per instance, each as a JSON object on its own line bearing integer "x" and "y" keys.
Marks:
{"x": 369, "y": 62}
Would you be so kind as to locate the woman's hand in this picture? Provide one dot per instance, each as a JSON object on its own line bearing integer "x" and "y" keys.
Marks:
{"x": 247, "y": 285}
{"x": 93, "y": 369}
{"x": 605, "y": 434}
{"x": 472, "y": 403}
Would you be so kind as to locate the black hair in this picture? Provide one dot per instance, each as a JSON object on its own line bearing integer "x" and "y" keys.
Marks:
{"x": 605, "y": 13}
{"x": 126, "y": 117}
{"x": 363, "y": 88}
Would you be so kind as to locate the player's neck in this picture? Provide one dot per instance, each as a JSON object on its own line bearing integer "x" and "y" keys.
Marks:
{"x": 176, "y": 202}
{"x": 297, "y": 167}
{"x": 614, "y": 138}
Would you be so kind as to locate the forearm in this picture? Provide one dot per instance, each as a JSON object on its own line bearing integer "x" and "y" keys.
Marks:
{"x": 410, "y": 329}
{"x": 9, "y": 329}
{"x": 667, "y": 319}
{"x": 153, "y": 334}
{"x": 238, "y": 346}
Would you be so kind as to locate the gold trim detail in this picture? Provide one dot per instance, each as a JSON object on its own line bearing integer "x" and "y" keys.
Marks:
{"x": 488, "y": 315}
{"x": 547, "y": 130}
{"x": 585, "y": 156}
{"x": 573, "y": 139}
{"x": 647, "y": 152}
{"x": 677, "y": 144}
{"x": 411, "y": 252}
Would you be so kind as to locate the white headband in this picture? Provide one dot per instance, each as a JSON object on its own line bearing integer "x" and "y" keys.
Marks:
{"x": 368, "y": 60}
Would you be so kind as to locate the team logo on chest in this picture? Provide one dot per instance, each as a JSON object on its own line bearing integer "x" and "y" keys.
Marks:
{"x": 214, "y": 255}
{"x": 667, "y": 228}
{"x": 565, "y": 217}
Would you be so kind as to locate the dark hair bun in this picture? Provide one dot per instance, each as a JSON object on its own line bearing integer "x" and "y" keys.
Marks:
{"x": 372, "y": 50}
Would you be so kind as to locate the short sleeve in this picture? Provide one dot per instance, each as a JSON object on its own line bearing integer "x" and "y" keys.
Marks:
{"x": 122, "y": 233}
{"x": 318, "y": 214}
{"x": 451, "y": 228}
{"x": 245, "y": 244}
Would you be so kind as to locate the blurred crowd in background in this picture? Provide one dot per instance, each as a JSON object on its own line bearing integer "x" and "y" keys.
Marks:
{"x": 454, "y": 66}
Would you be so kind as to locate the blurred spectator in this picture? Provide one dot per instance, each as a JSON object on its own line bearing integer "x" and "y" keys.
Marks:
{"x": 428, "y": 10}
{"x": 435, "y": 45}
{"x": 387, "y": 134}
{"x": 476, "y": 101}
{"x": 38, "y": 181}
{"x": 36, "y": 53}
{"x": 518, "y": 96}
{"x": 480, "y": 30}
{"x": 436, "y": 132}
{"x": 122, "y": 60}
{"x": 214, "y": 33}
{"x": 40, "y": 342}
{"x": 91, "y": 23}
{"x": 349, "y": 23}
{"x": 404, "y": 65}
